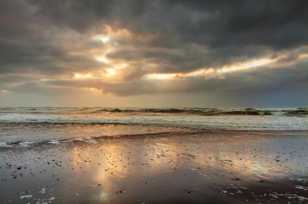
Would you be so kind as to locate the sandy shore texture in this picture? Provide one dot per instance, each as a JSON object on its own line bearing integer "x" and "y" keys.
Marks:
{"x": 208, "y": 167}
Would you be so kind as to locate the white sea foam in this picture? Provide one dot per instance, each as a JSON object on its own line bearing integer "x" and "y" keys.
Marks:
{"x": 25, "y": 197}
{"x": 4, "y": 144}
{"x": 25, "y": 143}
{"x": 241, "y": 122}
{"x": 53, "y": 142}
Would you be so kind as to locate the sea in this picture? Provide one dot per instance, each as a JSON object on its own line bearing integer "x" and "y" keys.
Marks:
{"x": 28, "y": 126}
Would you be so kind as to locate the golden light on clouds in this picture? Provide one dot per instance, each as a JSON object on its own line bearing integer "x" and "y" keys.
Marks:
{"x": 116, "y": 32}
{"x": 110, "y": 39}
{"x": 52, "y": 51}
{"x": 120, "y": 59}
{"x": 246, "y": 65}
{"x": 303, "y": 56}
{"x": 101, "y": 54}
{"x": 211, "y": 72}
{"x": 102, "y": 38}
{"x": 160, "y": 76}
{"x": 102, "y": 59}
{"x": 80, "y": 76}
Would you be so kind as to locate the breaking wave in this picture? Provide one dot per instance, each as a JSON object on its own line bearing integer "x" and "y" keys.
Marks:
{"x": 202, "y": 118}
{"x": 194, "y": 111}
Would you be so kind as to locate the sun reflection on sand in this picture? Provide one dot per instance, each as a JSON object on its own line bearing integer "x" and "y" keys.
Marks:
{"x": 237, "y": 158}
{"x": 110, "y": 165}
{"x": 160, "y": 156}
{"x": 114, "y": 162}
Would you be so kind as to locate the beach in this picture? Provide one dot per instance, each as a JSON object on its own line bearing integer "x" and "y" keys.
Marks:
{"x": 210, "y": 167}
{"x": 44, "y": 162}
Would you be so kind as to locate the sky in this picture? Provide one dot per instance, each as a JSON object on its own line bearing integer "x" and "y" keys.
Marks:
{"x": 148, "y": 53}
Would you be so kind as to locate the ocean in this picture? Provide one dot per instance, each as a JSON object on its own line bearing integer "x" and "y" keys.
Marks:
{"x": 49, "y": 125}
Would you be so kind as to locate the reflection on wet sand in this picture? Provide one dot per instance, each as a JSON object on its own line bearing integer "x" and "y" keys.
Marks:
{"x": 199, "y": 168}
{"x": 236, "y": 157}
{"x": 126, "y": 166}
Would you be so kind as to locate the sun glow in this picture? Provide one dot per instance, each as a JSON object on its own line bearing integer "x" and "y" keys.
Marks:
{"x": 111, "y": 68}
{"x": 114, "y": 68}
{"x": 212, "y": 72}
{"x": 80, "y": 76}
{"x": 102, "y": 38}
{"x": 110, "y": 72}
{"x": 160, "y": 76}
{"x": 102, "y": 59}
{"x": 246, "y": 65}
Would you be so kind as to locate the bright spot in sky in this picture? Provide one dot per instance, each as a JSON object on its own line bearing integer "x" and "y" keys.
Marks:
{"x": 160, "y": 76}
{"x": 102, "y": 38}
{"x": 102, "y": 59}
{"x": 115, "y": 66}
{"x": 246, "y": 65}
{"x": 303, "y": 56}
{"x": 110, "y": 72}
{"x": 3, "y": 91}
{"x": 115, "y": 69}
{"x": 80, "y": 76}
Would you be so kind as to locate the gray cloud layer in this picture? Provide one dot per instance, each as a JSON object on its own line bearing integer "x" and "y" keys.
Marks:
{"x": 44, "y": 39}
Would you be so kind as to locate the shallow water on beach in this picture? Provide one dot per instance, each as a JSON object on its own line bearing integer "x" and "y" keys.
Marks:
{"x": 26, "y": 135}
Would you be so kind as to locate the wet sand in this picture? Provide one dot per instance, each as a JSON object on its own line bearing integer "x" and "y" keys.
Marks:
{"x": 209, "y": 167}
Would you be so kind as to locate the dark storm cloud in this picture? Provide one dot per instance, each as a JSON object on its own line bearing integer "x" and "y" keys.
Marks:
{"x": 274, "y": 23}
{"x": 27, "y": 43}
{"x": 213, "y": 22}
{"x": 228, "y": 29}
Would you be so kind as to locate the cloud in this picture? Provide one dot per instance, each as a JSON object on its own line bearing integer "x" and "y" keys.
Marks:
{"x": 237, "y": 29}
{"x": 46, "y": 43}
